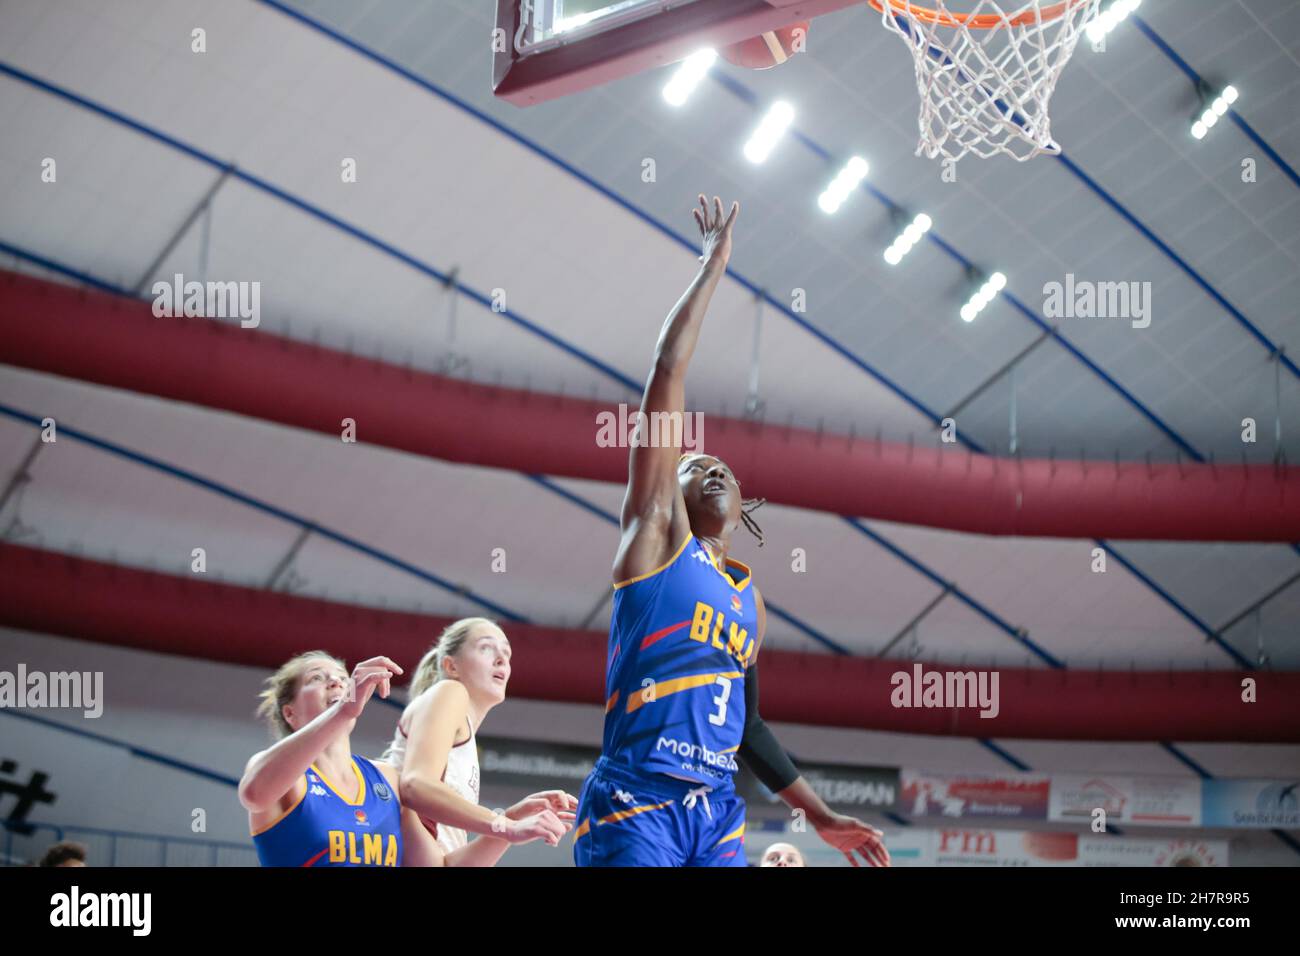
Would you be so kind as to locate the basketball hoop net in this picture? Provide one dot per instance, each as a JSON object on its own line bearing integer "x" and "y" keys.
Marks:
{"x": 986, "y": 76}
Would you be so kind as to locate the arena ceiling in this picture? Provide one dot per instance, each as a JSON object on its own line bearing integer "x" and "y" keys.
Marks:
{"x": 548, "y": 204}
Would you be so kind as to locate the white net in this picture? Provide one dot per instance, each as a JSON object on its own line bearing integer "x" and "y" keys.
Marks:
{"x": 986, "y": 74}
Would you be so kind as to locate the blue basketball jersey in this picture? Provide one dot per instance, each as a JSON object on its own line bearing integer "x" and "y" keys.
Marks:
{"x": 680, "y": 641}
{"x": 330, "y": 827}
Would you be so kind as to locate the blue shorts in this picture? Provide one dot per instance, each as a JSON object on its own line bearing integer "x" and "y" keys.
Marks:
{"x": 627, "y": 818}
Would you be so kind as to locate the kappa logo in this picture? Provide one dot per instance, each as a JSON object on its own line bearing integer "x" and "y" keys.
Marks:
{"x": 317, "y": 790}
{"x": 700, "y": 556}
{"x": 624, "y": 796}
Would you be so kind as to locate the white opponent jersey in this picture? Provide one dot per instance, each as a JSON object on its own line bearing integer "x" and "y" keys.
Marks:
{"x": 461, "y": 775}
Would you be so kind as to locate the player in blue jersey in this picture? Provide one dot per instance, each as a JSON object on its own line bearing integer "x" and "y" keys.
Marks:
{"x": 681, "y": 679}
{"x": 310, "y": 800}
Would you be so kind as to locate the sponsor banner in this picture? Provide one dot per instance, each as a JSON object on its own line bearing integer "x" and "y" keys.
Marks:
{"x": 908, "y": 846}
{"x": 976, "y": 847}
{"x": 970, "y": 846}
{"x": 1064, "y": 798}
{"x": 1151, "y": 801}
{"x": 1126, "y": 851}
{"x": 1251, "y": 803}
{"x": 1015, "y": 796}
{"x": 846, "y": 789}
{"x": 534, "y": 765}
{"x": 854, "y": 788}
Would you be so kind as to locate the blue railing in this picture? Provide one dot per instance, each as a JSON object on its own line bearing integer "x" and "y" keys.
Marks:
{"x": 120, "y": 847}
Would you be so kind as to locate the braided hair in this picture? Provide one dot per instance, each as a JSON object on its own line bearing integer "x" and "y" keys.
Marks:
{"x": 747, "y": 505}
{"x": 747, "y": 508}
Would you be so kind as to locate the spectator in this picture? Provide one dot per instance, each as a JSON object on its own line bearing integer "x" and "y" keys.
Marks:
{"x": 782, "y": 854}
{"x": 64, "y": 853}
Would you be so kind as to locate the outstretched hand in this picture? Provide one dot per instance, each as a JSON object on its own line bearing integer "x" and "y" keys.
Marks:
{"x": 849, "y": 836}
{"x": 715, "y": 231}
{"x": 559, "y": 802}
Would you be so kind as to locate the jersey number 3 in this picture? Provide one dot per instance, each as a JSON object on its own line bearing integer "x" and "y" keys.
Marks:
{"x": 720, "y": 717}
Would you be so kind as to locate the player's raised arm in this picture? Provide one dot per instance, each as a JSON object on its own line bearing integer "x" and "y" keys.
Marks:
{"x": 272, "y": 773}
{"x": 652, "y": 517}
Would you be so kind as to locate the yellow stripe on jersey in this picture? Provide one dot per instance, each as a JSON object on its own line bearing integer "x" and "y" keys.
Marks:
{"x": 669, "y": 687}
{"x": 360, "y": 797}
{"x": 733, "y": 835}
{"x": 649, "y": 574}
{"x": 624, "y": 814}
{"x": 730, "y": 563}
{"x": 293, "y": 807}
{"x": 616, "y": 817}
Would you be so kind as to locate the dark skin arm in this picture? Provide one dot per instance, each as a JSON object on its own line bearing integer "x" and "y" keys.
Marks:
{"x": 764, "y": 755}
{"x": 654, "y": 519}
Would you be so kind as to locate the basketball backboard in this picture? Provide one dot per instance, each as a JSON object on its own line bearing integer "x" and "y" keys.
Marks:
{"x": 543, "y": 49}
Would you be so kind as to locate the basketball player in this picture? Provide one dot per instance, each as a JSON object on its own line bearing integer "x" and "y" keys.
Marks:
{"x": 782, "y": 854}
{"x": 687, "y": 623}
{"x": 462, "y": 677}
{"x": 310, "y": 800}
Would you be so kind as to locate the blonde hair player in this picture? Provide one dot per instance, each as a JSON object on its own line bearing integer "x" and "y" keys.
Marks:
{"x": 681, "y": 686}
{"x": 462, "y": 677}
{"x": 310, "y": 800}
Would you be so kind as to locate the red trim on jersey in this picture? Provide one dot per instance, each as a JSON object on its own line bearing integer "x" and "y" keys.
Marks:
{"x": 312, "y": 861}
{"x": 660, "y": 635}
{"x": 454, "y": 745}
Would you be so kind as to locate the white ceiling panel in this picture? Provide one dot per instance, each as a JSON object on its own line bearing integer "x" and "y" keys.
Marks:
{"x": 1047, "y": 586}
